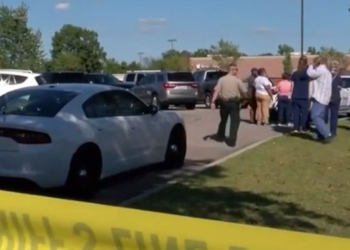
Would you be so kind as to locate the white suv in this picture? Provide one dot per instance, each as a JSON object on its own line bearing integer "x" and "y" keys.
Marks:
{"x": 11, "y": 79}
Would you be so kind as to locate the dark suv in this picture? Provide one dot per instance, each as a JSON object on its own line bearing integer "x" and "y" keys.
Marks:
{"x": 80, "y": 77}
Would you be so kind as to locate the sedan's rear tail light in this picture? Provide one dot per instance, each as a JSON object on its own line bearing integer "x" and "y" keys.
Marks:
{"x": 169, "y": 85}
{"x": 25, "y": 136}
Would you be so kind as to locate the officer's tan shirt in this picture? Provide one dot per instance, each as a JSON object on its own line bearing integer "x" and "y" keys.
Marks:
{"x": 230, "y": 86}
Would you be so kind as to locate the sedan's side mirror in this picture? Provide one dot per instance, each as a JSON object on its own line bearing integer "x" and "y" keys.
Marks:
{"x": 153, "y": 109}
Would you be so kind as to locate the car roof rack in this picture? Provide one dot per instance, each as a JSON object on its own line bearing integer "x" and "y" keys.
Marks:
{"x": 17, "y": 70}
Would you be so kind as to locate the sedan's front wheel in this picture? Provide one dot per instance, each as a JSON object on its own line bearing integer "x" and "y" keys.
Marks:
{"x": 176, "y": 148}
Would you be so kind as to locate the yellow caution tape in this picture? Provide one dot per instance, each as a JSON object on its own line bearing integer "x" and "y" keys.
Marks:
{"x": 38, "y": 223}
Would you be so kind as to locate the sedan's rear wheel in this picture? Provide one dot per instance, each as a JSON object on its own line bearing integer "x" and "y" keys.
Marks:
{"x": 176, "y": 149}
{"x": 85, "y": 172}
{"x": 155, "y": 100}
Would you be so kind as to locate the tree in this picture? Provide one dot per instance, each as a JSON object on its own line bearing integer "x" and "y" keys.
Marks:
{"x": 266, "y": 54}
{"x": 225, "y": 52}
{"x": 81, "y": 43}
{"x": 335, "y": 55}
{"x": 312, "y": 51}
{"x": 284, "y": 49}
{"x": 111, "y": 66}
{"x": 20, "y": 46}
{"x": 172, "y": 60}
{"x": 201, "y": 53}
{"x": 67, "y": 61}
{"x": 287, "y": 63}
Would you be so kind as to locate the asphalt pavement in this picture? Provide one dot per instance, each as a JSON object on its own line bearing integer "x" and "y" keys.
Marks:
{"x": 200, "y": 123}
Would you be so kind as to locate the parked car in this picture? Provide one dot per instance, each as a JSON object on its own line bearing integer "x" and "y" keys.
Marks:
{"x": 344, "y": 108}
{"x": 207, "y": 80}
{"x": 73, "y": 135}
{"x": 80, "y": 77}
{"x": 168, "y": 88}
{"x": 11, "y": 79}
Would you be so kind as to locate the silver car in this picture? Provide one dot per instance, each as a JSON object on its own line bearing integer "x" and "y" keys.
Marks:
{"x": 168, "y": 88}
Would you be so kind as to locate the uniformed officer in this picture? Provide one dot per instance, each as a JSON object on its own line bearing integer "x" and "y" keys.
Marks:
{"x": 231, "y": 90}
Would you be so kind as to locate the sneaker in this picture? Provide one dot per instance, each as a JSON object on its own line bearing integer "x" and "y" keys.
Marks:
{"x": 290, "y": 124}
{"x": 280, "y": 124}
{"x": 328, "y": 140}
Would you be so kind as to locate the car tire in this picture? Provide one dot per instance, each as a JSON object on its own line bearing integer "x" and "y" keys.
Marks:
{"x": 164, "y": 107}
{"x": 176, "y": 148}
{"x": 191, "y": 106}
{"x": 207, "y": 100}
{"x": 155, "y": 100}
{"x": 85, "y": 172}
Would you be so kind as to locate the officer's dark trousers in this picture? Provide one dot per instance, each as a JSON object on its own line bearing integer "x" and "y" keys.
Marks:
{"x": 229, "y": 109}
{"x": 300, "y": 109}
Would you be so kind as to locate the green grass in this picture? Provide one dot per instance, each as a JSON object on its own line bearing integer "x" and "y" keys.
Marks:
{"x": 289, "y": 183}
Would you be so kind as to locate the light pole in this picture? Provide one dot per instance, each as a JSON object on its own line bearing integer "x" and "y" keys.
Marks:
{"x": 140, "y": 55}
{"x": 172, "y": 41}
{"x": 302, "y": 27}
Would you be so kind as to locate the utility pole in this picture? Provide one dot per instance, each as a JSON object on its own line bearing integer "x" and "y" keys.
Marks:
{"x": 302, "y": 27}
{"x": 172, "y": 41}
{"x": 141, "y": 55}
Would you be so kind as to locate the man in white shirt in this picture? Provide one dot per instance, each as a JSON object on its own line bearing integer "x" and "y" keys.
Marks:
{"x": 321, "y": 93}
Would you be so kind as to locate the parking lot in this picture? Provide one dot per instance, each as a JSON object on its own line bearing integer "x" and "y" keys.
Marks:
{"x": 200, "y": 123}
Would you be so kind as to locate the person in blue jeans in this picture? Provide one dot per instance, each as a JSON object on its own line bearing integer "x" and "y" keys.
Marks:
{"x": 321, "y": 93}
{"x": 284, "y": 92}
{"x": 331, "y": 112}
{"x": 300, "y": 96}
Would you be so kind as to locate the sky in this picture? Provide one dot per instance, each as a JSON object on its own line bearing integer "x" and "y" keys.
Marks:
{"x": 256, "y": 26}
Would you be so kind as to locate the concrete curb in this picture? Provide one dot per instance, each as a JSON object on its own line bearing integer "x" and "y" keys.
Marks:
{"x": 182, "y": 177}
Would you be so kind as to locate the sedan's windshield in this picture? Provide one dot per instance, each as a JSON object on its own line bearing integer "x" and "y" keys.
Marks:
{"x": 35, "y": 102}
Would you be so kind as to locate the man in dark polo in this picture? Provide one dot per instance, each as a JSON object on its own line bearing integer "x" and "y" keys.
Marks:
{"x": 231, "y": 90}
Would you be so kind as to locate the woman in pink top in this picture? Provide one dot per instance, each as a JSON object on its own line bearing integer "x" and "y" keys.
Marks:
{"x": 284, "y": 92}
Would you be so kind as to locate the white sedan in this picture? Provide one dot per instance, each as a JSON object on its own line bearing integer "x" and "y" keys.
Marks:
{"x": 73, "y": 135}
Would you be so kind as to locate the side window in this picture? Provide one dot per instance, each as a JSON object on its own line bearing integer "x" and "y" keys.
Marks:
{"x": 20, "y": 79}
{"x": 8, "y": 79}
{"x": 198, "y": 76}
{"x": 160, "y": 78}
{"x": 144, "y": 80}
{"x": 139, "y": 77}
{"x": 130, "y": 78}
{"x": 114, "y": 103}
{"x": 152, "y": 79}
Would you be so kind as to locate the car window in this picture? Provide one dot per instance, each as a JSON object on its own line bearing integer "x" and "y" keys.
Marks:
{"x": 214, "y": 75}
{"x": 346, "y": 82}
{"x": 180, "y": 77}
{"x": 114, "y": 103}
{"x": 20, "y": 79}
{"x": 38, "y": 102}
{"x": 144, "y": 80}
{"x": 160, "y": 78}
{"x": 69, "y": 77}
{"x": 130, "y": 78}
{"x": 198, "y": 76}
{"x": 8, "y": 79}
{"x": 151, "y": 79}
{"x": 139, "y": 77}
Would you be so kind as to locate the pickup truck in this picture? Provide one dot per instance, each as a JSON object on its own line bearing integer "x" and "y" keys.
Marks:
{"x": 207, "y": 79}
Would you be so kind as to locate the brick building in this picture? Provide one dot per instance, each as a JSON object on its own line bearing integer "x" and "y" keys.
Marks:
{"x": 273, "y": 64}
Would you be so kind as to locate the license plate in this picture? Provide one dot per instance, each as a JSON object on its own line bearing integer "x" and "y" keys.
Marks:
{"x": 181, "y": 87}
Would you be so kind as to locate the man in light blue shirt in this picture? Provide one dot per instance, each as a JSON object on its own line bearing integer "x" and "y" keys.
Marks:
{"x": 321, "y": 92}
